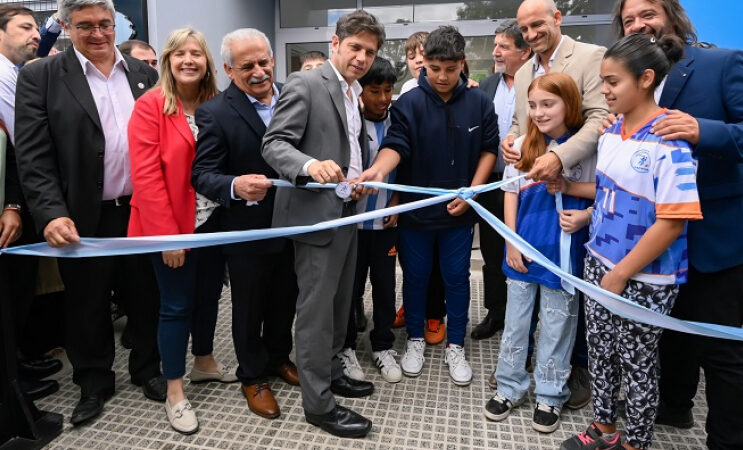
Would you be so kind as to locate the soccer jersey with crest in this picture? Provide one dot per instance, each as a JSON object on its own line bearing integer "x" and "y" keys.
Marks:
{"x": 641, "y": 178}
{"x": 376, "y": 130}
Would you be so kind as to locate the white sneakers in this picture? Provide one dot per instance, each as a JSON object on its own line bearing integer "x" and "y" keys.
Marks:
{"x": 459, "y": 369}
{"x": 412, "y": 359}
{"x": 388, "y": 367}
{"x": 182, "y": 417}
{"x": 351, "y": 367}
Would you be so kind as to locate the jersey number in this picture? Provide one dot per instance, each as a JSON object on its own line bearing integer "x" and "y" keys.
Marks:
{"x": 610, "y": 196}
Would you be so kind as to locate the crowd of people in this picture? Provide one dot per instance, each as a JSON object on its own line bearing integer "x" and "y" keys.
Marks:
{"x": 625, "y": 168}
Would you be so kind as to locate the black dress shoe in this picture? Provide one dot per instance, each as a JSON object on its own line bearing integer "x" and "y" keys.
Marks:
{"x": 348, "y": 387}
{"x": 36, "y": 369}
{"x": 674, "y": 418}
{"x": 487, "y": 328}
{"x": 89, "y": 407}
{"x": 155, "y": 388}
{"x": 36, "y": 389}
{"x": 341, "y": 422}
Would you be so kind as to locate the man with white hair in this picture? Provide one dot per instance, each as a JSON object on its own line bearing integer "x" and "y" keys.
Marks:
{"x": 230, "y": 170}
{"x": 72, "y": 114}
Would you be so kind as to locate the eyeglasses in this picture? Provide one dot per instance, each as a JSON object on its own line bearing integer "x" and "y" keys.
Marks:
{"x": 87, "y": 30}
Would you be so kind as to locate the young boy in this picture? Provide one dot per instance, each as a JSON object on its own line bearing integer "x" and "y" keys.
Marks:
{"x": 442, "y": 135}
{"x": 414, "y": 54}
{"x": 377, "y": 239}
{"x": 312, "y": 60}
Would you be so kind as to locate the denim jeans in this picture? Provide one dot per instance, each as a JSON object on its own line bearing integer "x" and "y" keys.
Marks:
{"x": 558, "y": 316}
{"x": 416, "y": 253}
{"x": 176, "y": 310}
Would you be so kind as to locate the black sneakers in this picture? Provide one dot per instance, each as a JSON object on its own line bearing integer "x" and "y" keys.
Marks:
{"x": 499, "y": 407}
{"x": 546, "y": 418}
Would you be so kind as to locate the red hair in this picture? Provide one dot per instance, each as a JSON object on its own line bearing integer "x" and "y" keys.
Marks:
{"x": 563, "y": 86}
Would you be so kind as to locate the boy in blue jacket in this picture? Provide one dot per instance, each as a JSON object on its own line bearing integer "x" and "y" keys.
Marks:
{"x": 442, "y": 135}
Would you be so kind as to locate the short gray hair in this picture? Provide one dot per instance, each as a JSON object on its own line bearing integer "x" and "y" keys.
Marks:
{"x": 510, "y": 28}
{"x": 239, "y": 35}
{"x": 66, "y": 7}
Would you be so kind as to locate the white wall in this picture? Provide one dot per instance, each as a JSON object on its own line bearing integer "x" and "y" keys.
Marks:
{"x": 214, "y": 18}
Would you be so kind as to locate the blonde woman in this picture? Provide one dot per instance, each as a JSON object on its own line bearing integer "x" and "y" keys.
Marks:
{"x": 162, "y": 140}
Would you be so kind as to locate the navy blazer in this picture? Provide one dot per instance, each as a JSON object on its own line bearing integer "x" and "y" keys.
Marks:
{"x": 229, "y": 145}
{"x": 708, "y": 85}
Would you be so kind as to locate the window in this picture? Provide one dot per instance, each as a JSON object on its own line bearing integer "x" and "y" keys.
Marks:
{"x": 313, "y": 13}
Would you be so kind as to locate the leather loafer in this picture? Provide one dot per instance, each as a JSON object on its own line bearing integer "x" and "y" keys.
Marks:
{"x": 487, "y": 328}
{"x": 288, "y": 371}
{"x": 348, "y": 387}
{"x": 155, "y": 388}
{"x": 88, "y": 408}
{"x": 341, "y": 422}
{"x": 261, "y": 400}
{"x": 36, "y": 369}
{"x": 36, "y": 389}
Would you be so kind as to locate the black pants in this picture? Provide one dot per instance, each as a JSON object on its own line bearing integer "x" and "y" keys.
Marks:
{"x": 376, "y": 256}
{"x": 88, "y": 330}
{"x": 264, "y": 300}
{"x": 715, "y": 298}
{"x": 492, "y": 247}
{"x": 19, "y": 278}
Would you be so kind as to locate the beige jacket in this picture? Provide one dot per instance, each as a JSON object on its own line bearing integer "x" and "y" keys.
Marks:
{"x": 582, "y": 62}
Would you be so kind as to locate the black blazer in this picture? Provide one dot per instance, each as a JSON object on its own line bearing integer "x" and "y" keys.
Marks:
{"x": 59, "y": 141}
{"x": 229, "y": 145}
{"x": 490, "y": 85}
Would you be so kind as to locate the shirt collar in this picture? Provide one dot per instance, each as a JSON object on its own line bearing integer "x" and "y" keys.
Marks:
{"x": 355, "y": 87}
{"x": 552, "y": 58}
{"x": 5, "y": 61}
{"x": 86, "y": 64}
{"x": 254, "y": 100}
{"x": 559, "y": 140}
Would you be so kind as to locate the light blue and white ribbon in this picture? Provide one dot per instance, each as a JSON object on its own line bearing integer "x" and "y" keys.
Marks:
{"x": 95, "y": 247}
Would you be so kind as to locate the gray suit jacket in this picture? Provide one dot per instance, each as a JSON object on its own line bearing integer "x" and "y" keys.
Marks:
{"x": 309, "y": 122}
{"x": 582, "y": 62}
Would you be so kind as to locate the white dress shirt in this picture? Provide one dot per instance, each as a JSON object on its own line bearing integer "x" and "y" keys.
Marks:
{"x": 505, "y": 105}
{"x": 8, "y": 80}
{"x": 114, "y": 102}
{"x": 539, "y": 69}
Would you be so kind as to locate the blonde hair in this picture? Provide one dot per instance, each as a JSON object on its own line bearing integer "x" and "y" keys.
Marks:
{"x": 167, "y": 83}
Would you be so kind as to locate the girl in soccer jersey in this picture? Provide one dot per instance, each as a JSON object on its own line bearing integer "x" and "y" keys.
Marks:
{"x": 531, "y": 211}
{"x": 645, "y": 192}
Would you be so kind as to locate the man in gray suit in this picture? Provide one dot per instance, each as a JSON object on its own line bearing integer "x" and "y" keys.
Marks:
{"x": 317, "y": 134}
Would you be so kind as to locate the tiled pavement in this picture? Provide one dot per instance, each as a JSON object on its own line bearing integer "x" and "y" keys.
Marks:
{"x": 417, "y": 413}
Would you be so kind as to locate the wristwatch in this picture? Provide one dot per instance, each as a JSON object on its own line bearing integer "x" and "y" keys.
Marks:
{"x": 13, "y": 206}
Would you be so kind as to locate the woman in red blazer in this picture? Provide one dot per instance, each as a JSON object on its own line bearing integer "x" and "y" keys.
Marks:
{"x": 162, "y": 140}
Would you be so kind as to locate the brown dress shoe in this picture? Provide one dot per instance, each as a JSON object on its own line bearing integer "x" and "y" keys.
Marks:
{"x": 288, "y": 371}
{"x": 260, "y": 400}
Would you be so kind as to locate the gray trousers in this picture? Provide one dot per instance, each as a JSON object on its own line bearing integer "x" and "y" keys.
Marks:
{"x": 325, "y": 276}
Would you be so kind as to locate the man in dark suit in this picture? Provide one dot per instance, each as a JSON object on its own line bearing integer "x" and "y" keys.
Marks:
{"x": 72, "y": 113}
{"x": 230, "y": 170}
{"x": 703, "y": 92}
{"x": 317, "y": 133}
{"x": 510, "y": 52}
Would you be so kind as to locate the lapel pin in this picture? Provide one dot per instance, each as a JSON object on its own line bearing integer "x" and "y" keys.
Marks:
{"x": 140, "y": 85}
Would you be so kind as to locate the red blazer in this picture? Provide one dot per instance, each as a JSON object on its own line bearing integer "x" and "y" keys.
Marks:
{"x": 161, "y": 152}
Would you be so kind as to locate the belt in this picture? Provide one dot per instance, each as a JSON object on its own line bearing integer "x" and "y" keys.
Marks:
{"x": 121, "y": 201}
